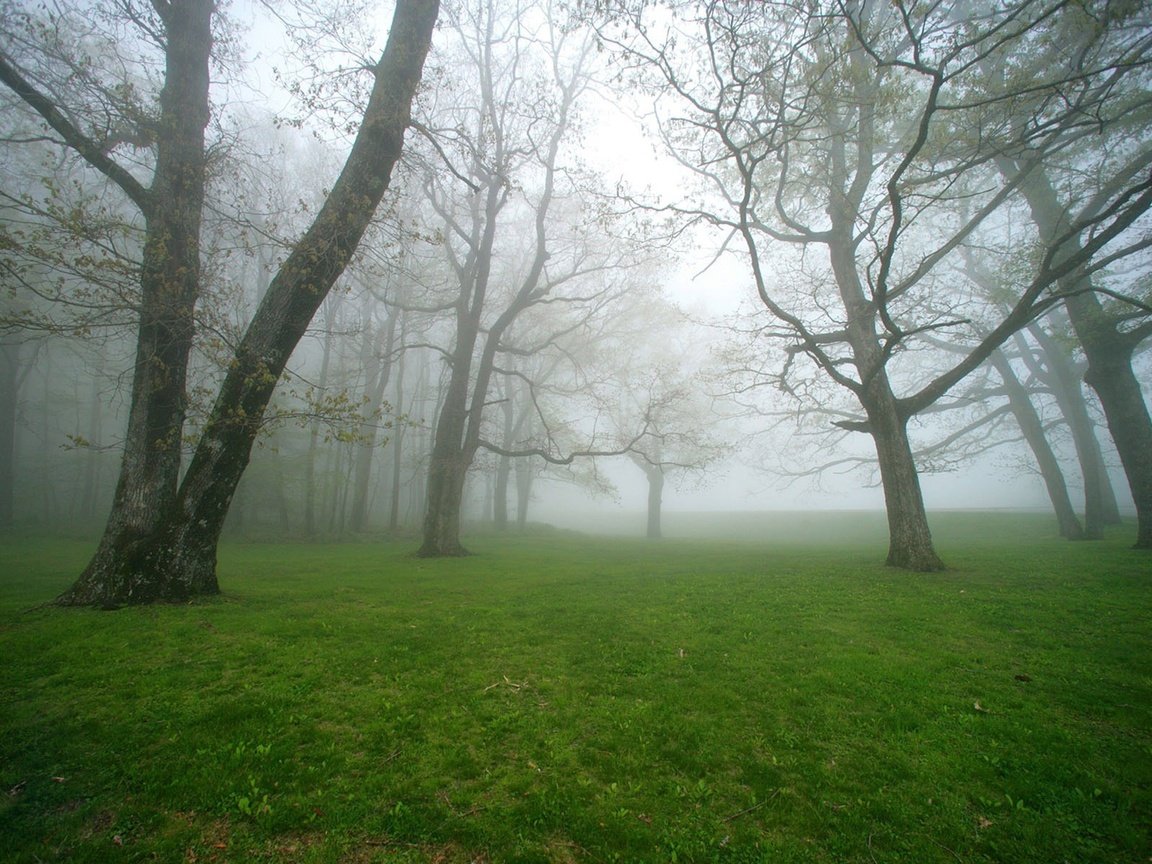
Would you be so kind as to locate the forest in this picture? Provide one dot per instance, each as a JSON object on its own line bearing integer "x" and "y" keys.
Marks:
{"x": 340, "y": 314}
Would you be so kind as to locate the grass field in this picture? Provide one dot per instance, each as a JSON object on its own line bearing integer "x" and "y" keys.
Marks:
{"x": 565, "y": 698}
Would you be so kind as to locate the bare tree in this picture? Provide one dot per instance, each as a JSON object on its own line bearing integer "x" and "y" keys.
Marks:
{"x": 517, "y": 234}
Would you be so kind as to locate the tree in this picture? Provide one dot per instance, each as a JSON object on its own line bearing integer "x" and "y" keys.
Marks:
{"x": 176, "y": 556}
{"x": 658, "y": 383}
{"x": 171, "y": 207}
{"x": 857, "y": 134}
{"x": 507, "y": 247}
{"x": 1109, "y": 334}
{"x": 1054, "y": 366}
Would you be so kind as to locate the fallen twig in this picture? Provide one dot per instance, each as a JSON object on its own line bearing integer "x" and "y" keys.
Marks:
{"x": 748, "y": 810}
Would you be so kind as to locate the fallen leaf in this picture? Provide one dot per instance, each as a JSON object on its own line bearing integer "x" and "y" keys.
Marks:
{"x": 979, "y": 707}
{"x": 983, "y": 823}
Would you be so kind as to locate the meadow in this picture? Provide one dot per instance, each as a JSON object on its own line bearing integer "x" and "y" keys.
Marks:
{"x": 775, "y": 695}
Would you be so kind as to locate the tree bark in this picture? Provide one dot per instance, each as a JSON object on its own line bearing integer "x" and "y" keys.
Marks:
{"x": 379, "y": 364}
{"x": 524, "y": 477}
{"x": 655, "y": 475}
{"x": 1100, "y": 507}
{"x": 178, "y": 559}
{"x": 909, "y": 538}
{"x": 445, "y": 494}
{"x": 1109, "y": 351}
{"x": 169, "y": 287}
{"x": 1032, "y": 429}
{"x": 1111, "y": 375}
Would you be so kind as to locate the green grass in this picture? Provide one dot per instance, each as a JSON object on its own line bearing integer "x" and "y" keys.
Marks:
{"x": 560, "y": 698}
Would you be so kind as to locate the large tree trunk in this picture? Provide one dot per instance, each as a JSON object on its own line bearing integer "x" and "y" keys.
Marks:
{"x": 1111, "y": 375}
{"x": 447, "y": 469}
{"x": 442, "y": 513}
{"x": 909, "y": 538}
{"x": 1032, "y": 429}
{"x": 178, "y": 559}
{"x": 169, "y": 286}
{"x": 1109, "y": 350}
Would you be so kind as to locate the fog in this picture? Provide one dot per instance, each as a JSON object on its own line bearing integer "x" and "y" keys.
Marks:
{"x": 583, "y": 292}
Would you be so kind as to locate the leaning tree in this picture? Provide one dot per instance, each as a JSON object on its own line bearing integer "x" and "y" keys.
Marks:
{"x": 160, "y": 542}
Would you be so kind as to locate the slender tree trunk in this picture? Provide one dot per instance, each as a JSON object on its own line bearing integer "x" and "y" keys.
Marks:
{"x": 398, "y": 436}
{"x": 504, "y": 466}
{"x": 524, "y": 478}
{"x": 9, "y": 395}
{"x": 1032, "y": 429}
{"x": 380, "y": 364}
{"x": 178, "y": 560}
{"x": 1111, "y": 375}
{"x": 310, "y": 484}
{"x": 655, "y": 475}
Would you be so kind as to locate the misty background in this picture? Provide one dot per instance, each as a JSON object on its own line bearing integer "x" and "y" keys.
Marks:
{"x": 652, "y": 317}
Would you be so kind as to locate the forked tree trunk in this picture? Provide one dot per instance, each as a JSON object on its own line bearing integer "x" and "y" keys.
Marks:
{"x": 1032, "y": 429}
{"x": 178, "y": 559}
{"x": 1099, "y": 499}
{"x": 1109, "y": 350}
